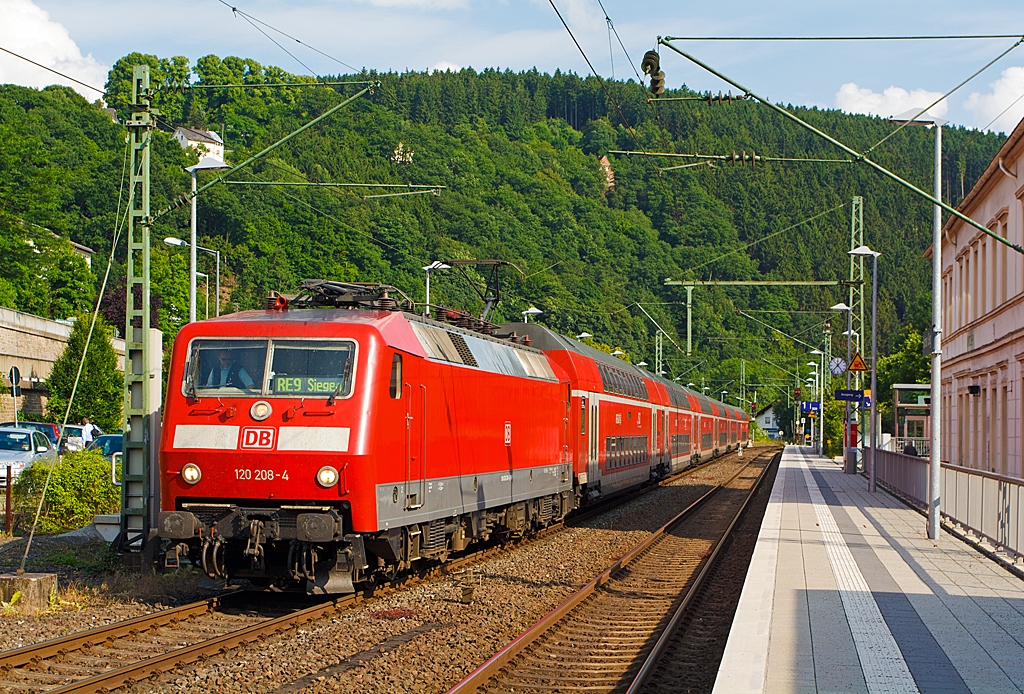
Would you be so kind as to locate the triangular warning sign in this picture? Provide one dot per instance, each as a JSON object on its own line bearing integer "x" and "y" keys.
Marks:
{"x": 858, "y": 364}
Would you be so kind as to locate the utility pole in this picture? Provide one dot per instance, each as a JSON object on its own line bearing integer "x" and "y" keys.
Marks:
{"x": 743, "y": 380}
{"x": 689, "y": 303}
{"x": 658, "y": 352}
{"x": 855, "y": 325}
{"x": 139, "y": 482}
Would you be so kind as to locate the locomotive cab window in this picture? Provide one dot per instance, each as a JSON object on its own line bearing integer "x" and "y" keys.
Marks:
{"x": 395, "y": 389}
{"x": 225, "y": 367}
{"x": 302, "y": 367}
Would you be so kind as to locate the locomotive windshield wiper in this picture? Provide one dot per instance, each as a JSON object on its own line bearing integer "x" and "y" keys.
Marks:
{"x": 190, "y": 388}
{"x": 334, "y": 395}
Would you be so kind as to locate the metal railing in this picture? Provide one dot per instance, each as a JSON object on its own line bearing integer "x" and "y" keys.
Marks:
{"x": 922, "y": 444}
{"x": 988, "y": 505}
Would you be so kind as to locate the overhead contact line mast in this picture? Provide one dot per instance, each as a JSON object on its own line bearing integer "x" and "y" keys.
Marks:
{"x": 140, "y": 487}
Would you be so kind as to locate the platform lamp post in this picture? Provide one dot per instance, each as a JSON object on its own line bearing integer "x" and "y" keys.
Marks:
{"x": 817, "y": 396}
{"x": 206, "y": 164}
{"x": 821, "y": 400}
{"x": 193, "y": 273}
{"x": 207, "y": 281}
{"x": 865, "y": 251}
{"x": 436, "y": 265}
{"x": 935, "y": 458}
{"x": 849, "y": 466}
{"x": 532, "y": 311}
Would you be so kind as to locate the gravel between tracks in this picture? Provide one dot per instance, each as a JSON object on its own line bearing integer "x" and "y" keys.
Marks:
{"x": 512, "y": 590}
{"x": 690, "y": 664}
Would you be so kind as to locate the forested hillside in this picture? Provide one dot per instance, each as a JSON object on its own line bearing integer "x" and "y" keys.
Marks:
{"x": 518, "y": 156}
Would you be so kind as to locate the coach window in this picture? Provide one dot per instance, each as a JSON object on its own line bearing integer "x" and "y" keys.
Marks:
{"x": 583, "y": 416}
{"x": 395, "y": 390}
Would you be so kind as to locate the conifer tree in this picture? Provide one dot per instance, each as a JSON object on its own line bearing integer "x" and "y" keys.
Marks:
{"x": 100, "y": 389}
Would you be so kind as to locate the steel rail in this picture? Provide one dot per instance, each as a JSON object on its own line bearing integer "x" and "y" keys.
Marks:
{"x": 656, "y": 654}
{"x": 171, "y": 660}
{"x": 490, "y": 668}
{"x": 47, "y": 649}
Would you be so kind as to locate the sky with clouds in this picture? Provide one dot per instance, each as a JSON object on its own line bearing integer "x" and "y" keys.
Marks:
{"x": 83, "y": 37}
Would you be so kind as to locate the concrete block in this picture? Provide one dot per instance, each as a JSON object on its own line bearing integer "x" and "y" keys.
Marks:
{"x": 108, "y": 526}
{"x": 33, "y": 591}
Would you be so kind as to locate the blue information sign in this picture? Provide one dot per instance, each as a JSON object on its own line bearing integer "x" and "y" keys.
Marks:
{"x": 808, "y": 406}
{"x": 851, "y": 395}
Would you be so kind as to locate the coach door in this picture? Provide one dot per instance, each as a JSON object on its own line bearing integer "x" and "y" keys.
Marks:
{"x": 593, "y": 469}
{"x": 415, "y": 446}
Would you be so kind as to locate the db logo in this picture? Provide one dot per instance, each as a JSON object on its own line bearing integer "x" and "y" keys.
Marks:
{"x": 254, "y": 437}
{"x": 508, "y": 433}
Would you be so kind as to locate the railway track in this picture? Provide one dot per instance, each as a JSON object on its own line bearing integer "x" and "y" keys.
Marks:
{"x": 132, "y": 651}
{"x": 610, "y": 635}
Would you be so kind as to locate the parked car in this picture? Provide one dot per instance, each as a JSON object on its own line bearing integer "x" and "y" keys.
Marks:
{"x": 51, "y": 430}
{"x": 19, "y": 448}
{"x": 72, "y": 439}
{"x": 107, "y": 445}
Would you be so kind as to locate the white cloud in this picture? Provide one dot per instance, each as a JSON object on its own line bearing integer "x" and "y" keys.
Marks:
{"x": 1004, "y": 91}
{"x": 445, "y": 66}
{"x": 27, "y": 30}
{"x": 892, "y": 101}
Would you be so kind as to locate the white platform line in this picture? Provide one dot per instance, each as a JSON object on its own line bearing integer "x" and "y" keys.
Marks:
{"x": 744, "y": 666}
{"x": 885, "y": 669}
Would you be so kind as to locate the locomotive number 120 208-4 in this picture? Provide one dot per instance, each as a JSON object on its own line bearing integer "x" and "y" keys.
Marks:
{"x": 243, "y": 473}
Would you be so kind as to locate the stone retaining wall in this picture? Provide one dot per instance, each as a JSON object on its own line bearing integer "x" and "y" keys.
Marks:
{"x": 32, "y": 344}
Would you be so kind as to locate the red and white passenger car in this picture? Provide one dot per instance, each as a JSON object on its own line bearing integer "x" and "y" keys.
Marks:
{"x": 324, "y": 447}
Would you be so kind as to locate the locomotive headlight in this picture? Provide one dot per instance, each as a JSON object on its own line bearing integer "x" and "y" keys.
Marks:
{"x": 327, "y": 476}
{"x": 260, "y": 410}
{"x": 191, "y": 473}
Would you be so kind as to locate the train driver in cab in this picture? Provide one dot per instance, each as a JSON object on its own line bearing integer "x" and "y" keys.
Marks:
{"x": 228, "y": 374}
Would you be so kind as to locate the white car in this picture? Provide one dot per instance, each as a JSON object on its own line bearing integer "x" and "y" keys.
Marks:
{"x": 19, "y": 448}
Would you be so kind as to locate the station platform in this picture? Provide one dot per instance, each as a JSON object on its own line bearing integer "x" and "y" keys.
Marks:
{"x": 846, "y": 593}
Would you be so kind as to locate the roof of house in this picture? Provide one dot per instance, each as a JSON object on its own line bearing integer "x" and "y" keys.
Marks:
{"x": 763, "y": 410}
{"x": 193, "y": 135}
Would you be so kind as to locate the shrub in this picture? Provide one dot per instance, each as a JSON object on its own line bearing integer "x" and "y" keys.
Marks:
{"x": 79, "y": 489}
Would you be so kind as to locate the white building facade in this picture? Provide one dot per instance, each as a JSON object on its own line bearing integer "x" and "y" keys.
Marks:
{"x": 207, "y": 142}
{"x": 983, "y": 321}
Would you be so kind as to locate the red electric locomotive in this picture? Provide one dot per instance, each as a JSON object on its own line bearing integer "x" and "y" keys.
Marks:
{"x": 341, "y": 442}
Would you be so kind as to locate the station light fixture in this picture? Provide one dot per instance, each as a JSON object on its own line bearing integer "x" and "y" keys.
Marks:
{"x": 583, "y": 336}
{"x": 532, "y": 311}
{"x": 641, "y": 363}
{"x": 617, "y": 353}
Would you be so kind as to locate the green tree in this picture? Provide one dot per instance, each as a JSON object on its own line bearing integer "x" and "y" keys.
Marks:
{"x": 99, "y": 392}
{"x": 908, "y": 364}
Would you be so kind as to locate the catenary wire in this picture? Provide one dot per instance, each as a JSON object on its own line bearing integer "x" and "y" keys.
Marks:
{"x": 992, "y": 62}
{"x": 50, "y": 69}
{"x": 1001, "y": 113}
{"x": 611, "y": 25}
{"x": 244, "y": 16}
{"x": 298, "y": 41}
{"x": 765, "y": 238}
{"x": 614, "y": 102}
{"x": 118, "y": 225}
{"x": 936, "y": 37}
